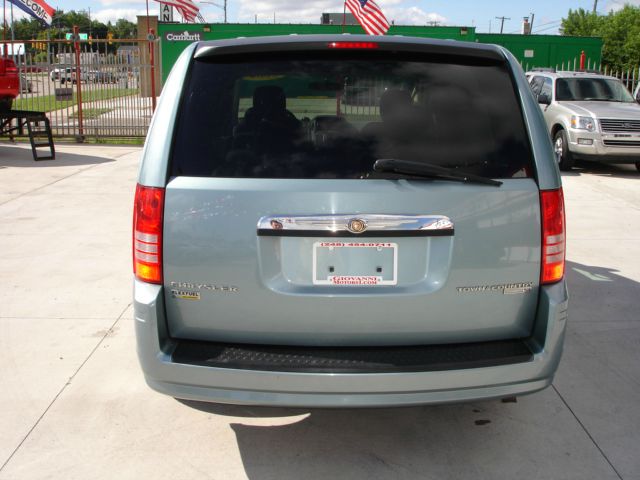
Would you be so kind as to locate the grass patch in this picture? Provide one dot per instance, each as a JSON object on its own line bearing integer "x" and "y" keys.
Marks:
{"x": 48, "y": 103}
{"x": 91, "y": 113}
{"x": 116, "y": 140}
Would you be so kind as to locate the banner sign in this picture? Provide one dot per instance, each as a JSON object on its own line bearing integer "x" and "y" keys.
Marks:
{"x": 166, "y": 13}
{"x": 36, "y": 8}
{"x": 81, "y": 36}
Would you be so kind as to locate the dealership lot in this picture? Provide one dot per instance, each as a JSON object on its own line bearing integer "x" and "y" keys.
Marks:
{"x": 75, "y": 405}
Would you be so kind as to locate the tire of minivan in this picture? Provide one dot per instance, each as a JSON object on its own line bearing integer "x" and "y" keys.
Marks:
{"x": 561, "y": 147}
{"x": 638, "y": 166}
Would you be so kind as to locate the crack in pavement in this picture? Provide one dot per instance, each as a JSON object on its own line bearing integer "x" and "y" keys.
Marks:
{"x": 593, "y": 440}
{"x": 64, "y": 387}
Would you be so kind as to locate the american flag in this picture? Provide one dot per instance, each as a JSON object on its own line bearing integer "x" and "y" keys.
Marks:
{"x": 187, "y": 9}
{"x": 369, "y": 15}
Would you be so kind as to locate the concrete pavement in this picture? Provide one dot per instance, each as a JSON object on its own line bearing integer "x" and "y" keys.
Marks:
{"x": 75, "y": 406}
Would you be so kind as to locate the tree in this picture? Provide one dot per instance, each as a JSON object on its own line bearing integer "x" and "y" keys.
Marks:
{"x": 621, "y": 35}
{"x": 620, "y": 32}
{"x": 581, "y": 23}
{"x": 125, "y": 29}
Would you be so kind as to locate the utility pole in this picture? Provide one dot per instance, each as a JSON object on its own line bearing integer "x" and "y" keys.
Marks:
{"x": 502, "y": 19}
{"x": 531, "y": 23}
{"x": 595, "y": 5}
{"x": 223, "y": 7}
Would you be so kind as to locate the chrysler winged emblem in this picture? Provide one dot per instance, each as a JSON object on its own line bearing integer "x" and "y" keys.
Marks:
{"x": 356, "y": 225}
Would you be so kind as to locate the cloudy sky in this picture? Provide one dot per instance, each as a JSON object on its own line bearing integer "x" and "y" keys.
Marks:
{"x": 480, "y": 14}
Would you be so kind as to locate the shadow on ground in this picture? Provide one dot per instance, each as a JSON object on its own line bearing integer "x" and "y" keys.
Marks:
{"x": 12, "y": 156}
{"x": 602, "y": 169}
{"x": 408, "y": 442}
{"x": 443, "y": 441}
{"x": 595, "y": 292}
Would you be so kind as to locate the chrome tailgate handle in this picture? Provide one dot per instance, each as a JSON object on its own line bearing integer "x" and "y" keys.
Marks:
{"x": 371, "y": 225}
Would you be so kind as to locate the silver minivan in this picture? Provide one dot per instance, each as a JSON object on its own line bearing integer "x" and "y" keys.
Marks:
{"x": 343, "y": 220}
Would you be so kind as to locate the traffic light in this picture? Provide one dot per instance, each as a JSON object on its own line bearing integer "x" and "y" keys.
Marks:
{"x": 110, "y": 37}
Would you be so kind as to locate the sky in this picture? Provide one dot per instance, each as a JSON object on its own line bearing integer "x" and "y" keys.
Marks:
{"x": 480, "y": 14}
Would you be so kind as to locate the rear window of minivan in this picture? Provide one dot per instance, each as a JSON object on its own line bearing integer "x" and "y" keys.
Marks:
{"x": 332, "y": 115}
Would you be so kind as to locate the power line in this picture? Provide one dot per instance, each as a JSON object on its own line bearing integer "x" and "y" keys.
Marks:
{"x": 549, "y": 28}
{"x": 502, "y": 19}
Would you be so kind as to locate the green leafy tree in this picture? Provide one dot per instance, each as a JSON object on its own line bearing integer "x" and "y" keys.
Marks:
{"x": 581, "y": 23}
{"x": 620, "y": 32}
{"x": 124, "y": 29}
{"x": 621, "y": 35}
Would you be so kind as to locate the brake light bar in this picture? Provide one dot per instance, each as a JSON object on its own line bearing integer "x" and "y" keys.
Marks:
{"x": 353, "y": 45}
{"x": 147, "y": 233}
{"x": 10, "y": 66}
{"x": 553, "y": 236}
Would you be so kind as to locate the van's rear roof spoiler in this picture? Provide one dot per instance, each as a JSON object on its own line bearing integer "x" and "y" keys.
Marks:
{"x": 292, "y": 43}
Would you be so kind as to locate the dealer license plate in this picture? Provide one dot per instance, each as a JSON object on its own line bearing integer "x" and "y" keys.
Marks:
{"x": 355, "y": 263}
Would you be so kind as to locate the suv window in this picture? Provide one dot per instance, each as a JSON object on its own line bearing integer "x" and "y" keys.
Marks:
{"x": 536, "y": 85}
{"x": 332, "y": 116}
{"x": 547, "y": 87}
{"x": 591, "y": 89}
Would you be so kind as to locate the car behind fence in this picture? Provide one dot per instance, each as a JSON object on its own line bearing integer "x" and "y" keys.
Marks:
{"x": 102, "y": 88}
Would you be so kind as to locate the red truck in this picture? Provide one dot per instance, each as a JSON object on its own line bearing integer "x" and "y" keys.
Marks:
{"x": 9, "y": 83}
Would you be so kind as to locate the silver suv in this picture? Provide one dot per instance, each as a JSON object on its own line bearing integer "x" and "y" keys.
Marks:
{"x": 589, "y": 116}
{"x": 295, "y": 246}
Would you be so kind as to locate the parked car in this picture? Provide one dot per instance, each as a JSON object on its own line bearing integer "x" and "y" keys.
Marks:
{"x": 289, "y": 250}
{"x": 589, "y": 116}
{"x": 26, "y": 85}
{"x": 55, "y": 74}
{"x": 9, "y": 83}
{"x": 68, "y": 75}
{"x": 101, "y": 76}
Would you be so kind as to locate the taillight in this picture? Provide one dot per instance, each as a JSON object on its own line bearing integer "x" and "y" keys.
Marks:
{"x": 349, "y": 45}
{"x": 553, "y": 235}
{"x": 147, "y": 233}
{"x": 11, "y": 67}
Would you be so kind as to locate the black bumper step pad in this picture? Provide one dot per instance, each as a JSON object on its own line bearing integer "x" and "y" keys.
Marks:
{"x": 424, "y": 358}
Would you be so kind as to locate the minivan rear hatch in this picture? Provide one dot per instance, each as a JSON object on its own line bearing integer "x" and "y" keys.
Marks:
{"x": 278, "y": 229}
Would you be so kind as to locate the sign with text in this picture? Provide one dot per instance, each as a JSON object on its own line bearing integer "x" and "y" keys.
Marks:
{"x": 166, "y": 13}
{"x": 81, "y": 36}
{"x": 36, "y": 8}
{"x": 185, "y": 36}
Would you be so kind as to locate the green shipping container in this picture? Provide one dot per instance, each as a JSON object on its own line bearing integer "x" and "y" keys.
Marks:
{"x": 530, "y": 50}
{"x": 174, "y": 37}
{"x": 548, "y": 50}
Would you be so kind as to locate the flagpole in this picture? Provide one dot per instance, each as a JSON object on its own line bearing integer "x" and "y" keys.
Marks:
{"x": 4, "y": 27}
{"x": 13, "y": 33}
{"x": 344, "y": 14}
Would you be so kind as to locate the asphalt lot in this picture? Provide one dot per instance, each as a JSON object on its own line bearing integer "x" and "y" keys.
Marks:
{"x": 74, "y": 404}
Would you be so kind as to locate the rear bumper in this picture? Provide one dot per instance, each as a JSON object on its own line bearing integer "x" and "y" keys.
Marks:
{"x": 314, "y": 389}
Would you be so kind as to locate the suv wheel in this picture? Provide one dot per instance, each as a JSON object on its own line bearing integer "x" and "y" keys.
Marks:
{"x": 561, "y": 147}
{"x": 638, "y": 166}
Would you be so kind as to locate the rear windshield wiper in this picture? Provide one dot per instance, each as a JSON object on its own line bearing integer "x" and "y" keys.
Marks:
{"x": 428, "y": 170}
